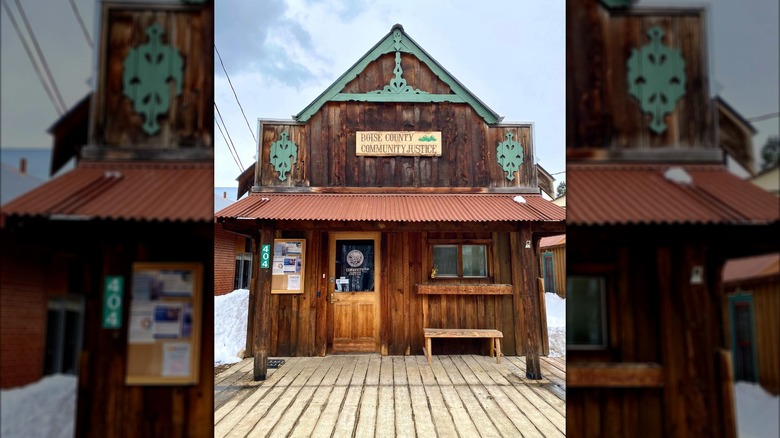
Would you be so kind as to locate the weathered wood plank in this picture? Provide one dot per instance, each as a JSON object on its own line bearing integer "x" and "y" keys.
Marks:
{"x": 423, "y": 422}
{"x": 404, "y": 420}
{"x": 327, "y": 421}
{"x": 481, "y": 418}
{"x": 238, "y": 422}
{"x": 368, "y": 403}
{"x": 442, "y": 419}
{"x": 301, "y": 400}
{"x": 512, "y": 412}
{"x": 385, "y": 417}
{"x": 311, "y": 414}
{"x": 616, "y": 375}
{"x": 460, "y": 415}
{"x": 548, "y": 421}
{"x": 464, "y": 289}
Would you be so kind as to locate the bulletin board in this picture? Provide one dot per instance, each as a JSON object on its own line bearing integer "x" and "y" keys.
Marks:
{"x": 288, "y": 266}
{"x": 163, "y": 335}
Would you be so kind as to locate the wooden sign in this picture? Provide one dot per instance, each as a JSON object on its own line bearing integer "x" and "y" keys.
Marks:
{"x": 288, "y": 266}
{"x": 163, "y": 335}
{"x": 398, "y": 143}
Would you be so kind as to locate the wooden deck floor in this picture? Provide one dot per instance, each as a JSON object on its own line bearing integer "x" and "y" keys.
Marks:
{"x": 387, "y": 396}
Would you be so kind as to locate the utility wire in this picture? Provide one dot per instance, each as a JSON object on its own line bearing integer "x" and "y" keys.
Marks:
{"x": 763, "y": 117}
{"x": 226, "y": 142}
{"x": 81, "y": 23}
{"x": 230, "y": 144}
{"x": 30, "y": 55}
{"x": 40, "y": 55}
{"x": 234, "y": 94}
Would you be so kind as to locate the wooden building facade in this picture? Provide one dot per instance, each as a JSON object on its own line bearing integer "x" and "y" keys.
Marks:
{"x": 653, "y": 214}
{"x": 123, "y": 243}
{"x": 416, "y": 207}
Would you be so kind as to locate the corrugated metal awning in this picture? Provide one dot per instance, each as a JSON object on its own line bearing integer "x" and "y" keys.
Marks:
{"x": 612, "y": 194}
{"x": 394, "y": 207}
{"x": 766, "y": 265}
{"x": 138, "y": 191}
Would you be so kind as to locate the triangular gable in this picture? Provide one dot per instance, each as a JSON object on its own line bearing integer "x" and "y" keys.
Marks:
{"x": 397, "y": 91}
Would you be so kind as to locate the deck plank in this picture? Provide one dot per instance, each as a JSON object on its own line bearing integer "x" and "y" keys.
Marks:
{"x": 327, "y": 420}
{"x": 372, "y": 395}
{"x": 442, "y": 419}
{"x": 307, "y": 421}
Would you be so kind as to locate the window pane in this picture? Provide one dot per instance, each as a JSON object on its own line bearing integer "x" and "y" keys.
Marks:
{"x": 237, "y": 274}
{"x": 245, "y": 272}
{"x": 354, "y": 266}
{"x": 445, "y": 259}
{"x": 474, "y": 261}
{"x": 585, "y": 322}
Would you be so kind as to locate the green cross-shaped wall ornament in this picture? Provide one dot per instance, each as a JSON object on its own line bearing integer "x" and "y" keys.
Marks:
{"x": 656, "y": 78}
{"x": 147, "y": 70}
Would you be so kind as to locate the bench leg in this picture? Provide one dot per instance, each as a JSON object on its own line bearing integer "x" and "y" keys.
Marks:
{"x": 498, "y": 350}
{"x": 492, "y": 346}
{"x": 428, "y": 349}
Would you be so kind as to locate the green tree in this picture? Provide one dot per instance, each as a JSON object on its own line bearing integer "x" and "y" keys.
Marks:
{"x": 770, "y": 153}
{"x": 561, "y": 189}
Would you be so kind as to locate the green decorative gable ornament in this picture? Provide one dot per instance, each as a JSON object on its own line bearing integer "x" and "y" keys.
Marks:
{"x": 283, "y": 153}
{"x": 147, "y": 70}
{"x": 656, "y": 78}
{"x": 398, "y": 83}
{"x": 398, "y": 90}
{"x": 509, "y": 154}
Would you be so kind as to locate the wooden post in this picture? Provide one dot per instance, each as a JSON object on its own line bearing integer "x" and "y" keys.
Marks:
{"x": 262, "y": 316}
{"x": 529, "y": 296}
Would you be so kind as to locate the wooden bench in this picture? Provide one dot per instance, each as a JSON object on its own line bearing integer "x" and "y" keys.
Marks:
{"x": 494, "y": 335}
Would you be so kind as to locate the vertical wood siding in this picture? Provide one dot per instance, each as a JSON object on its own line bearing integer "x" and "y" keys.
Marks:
{"x": 326, "y": 143}
{"x": 301, "y": 326}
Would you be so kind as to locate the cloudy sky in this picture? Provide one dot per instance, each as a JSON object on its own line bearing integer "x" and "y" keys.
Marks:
{"x": 281, "y": 54}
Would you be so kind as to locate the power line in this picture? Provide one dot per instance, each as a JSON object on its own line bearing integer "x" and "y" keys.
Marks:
{"x": 763, "y": 117}
{"x": 230, "y": 143}
{"x": 226, "y": 142}
{"x": 234, "y": 94}
{"x": 81, "y": 23}
{"x": 35, "y": 66}
{"x": 45, "y": 65}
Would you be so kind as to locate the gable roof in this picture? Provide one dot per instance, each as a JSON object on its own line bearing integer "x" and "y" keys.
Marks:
{"x": 398, "y": 41}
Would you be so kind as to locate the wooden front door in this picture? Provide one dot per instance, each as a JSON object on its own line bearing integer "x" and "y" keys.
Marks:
{"x": 354, "y": 292}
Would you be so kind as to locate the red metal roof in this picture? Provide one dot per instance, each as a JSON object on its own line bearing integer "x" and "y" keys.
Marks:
{"x": 550, "y": 241}
{"x": 140, "y": 191}
{"x": 394, "y": 207}
{"x": 751, "y": 267}
{"x": 601, "y": 194}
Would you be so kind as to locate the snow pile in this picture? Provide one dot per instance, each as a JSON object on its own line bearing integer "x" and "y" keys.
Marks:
{"x": 230, "y": 313}
{"x": 46, "y": 408}
{"x": 756, "y": 411}
{"x": 556, "y": 324}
